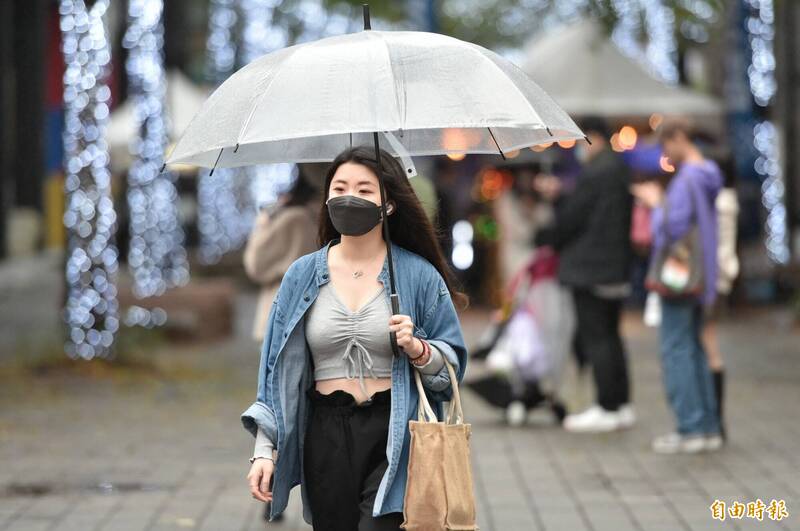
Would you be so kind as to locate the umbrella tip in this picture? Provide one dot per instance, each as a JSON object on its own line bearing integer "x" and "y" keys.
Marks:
{"x": 367, "y": 25}
{"x": 587, "y": 140}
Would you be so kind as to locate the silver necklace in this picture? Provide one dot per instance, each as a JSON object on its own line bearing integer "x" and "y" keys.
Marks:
{"x": 358, "y": 273}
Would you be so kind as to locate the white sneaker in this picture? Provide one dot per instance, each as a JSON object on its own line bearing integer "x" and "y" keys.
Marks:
{"x": 675, "y": 443}
{"x": 713, "y": 443}
{"x": 593, "y": 420}
{"x": 516, "y": 414}
{"x": 627, "y": 416}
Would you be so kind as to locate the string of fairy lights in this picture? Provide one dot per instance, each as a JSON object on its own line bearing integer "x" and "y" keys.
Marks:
{"x": 760, "y": 27}
{"x": 224, "y": 198}
{"x": 261, "y": 36}
{"x": 228, "y": 199}
{"x": 91, "y": 312}
{"x": 157, "y": 258}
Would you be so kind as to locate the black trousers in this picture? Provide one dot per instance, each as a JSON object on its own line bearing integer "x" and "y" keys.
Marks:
{"x": 600, "y": 341}
{"x": 344, "y": 459}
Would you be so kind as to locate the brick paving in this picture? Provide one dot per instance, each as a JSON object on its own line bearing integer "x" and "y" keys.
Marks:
{"x": 157, "y": 451}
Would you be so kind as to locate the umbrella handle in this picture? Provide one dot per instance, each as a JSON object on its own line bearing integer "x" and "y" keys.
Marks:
{"x": 395, "y": 300}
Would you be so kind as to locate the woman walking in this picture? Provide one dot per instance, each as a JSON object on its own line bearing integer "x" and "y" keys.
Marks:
{"x": 333, "y": 402}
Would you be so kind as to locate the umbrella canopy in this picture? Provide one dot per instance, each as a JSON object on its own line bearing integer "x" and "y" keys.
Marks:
{"x": 590, "y": 76}
{"x": 309, "y": 102}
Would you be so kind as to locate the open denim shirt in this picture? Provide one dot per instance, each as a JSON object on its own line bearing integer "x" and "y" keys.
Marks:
{"x": 285, "y": 370}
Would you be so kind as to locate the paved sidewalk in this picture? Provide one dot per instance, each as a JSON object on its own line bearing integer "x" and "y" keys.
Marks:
{"x": 142, "y": 450}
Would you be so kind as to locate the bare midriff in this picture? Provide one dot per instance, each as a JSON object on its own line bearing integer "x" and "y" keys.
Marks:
{"x": 373, "y": 385}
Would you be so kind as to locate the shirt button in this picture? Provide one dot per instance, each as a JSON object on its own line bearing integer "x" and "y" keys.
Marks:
{"x": 285, "y": 334}
{"x": 325, "y": 275}
{"x": 306, "y": 298}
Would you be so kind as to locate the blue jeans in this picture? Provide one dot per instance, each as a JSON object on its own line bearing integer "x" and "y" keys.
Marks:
{"x": 687, "y": 378}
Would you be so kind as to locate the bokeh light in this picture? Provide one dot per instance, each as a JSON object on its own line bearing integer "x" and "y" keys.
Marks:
{"x": 566, "y": 144}
{"x": 260, "y": 35}
{"x": 156, "y": 257}
{"x": 628, "y": 137}
{"x": 92, "y": 310}
{"x": 665, "y": 165}
{"x": 655, "y": 20}
{"x": 224, "y": 197}
{"x": 760, "y": 26}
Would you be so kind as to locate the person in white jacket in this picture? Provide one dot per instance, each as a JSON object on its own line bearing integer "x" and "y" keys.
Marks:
{"x": 727, "y": 206}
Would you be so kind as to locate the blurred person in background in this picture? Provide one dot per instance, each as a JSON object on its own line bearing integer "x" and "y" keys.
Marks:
{"x": 591, "y": 233}
{"x": 425, "y": 190}
{"x": 727, "y": 207}
{"x": 691, "y": 196}
{"x": 518, "y": 216}
{"x": 283, "y": 232}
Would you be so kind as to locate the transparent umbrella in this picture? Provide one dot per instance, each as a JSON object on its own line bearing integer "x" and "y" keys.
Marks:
{"x": 425, "y": 93}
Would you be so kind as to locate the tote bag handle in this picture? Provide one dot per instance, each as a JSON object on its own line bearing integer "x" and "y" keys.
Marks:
{"x": 425, "y": 413}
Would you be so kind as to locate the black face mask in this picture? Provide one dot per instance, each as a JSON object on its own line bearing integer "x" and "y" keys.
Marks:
{"x": 353, "y": 216}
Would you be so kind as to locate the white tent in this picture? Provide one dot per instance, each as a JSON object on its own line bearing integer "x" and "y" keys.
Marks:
{"x": 184, "y": 100}
{"x": 585, "y": 73}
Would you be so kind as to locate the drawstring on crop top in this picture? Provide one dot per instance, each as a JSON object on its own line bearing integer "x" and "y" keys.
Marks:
{"x": 364, "y": 359}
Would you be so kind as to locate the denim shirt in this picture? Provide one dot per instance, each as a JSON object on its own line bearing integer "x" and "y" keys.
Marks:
{"x": 285, "y": 370}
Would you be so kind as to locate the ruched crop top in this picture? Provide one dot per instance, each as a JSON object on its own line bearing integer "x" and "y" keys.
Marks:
{"x": 347, "y": 344}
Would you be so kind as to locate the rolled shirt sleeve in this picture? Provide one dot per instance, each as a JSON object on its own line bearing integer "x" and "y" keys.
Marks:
{"x": 443, "y": 332}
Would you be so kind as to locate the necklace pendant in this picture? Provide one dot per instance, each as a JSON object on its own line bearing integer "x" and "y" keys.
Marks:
{"x": 358, "y": 274}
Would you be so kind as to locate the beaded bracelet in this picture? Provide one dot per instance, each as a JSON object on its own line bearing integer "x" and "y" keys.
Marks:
{"x": 425, "y": 350}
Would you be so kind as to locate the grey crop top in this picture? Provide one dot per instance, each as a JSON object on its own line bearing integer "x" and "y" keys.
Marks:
{"x": 347, "y": 344}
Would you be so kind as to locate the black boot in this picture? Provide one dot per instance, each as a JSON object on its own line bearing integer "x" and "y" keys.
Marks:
{"x": 719, "y": 392}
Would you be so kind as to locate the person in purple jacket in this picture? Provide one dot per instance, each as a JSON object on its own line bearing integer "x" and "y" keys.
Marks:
{"x": 690, "y": 197}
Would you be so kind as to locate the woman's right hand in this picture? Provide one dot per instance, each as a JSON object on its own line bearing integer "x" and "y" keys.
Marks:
{"x": 258, "y": 478}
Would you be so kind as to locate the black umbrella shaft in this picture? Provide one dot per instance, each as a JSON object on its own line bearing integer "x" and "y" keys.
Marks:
{"x": 366, "y": 17}
{"x": 393, "y": 297}
{"x": 386, "y": 235}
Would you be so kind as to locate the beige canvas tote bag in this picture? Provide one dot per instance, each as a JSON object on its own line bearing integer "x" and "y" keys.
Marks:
{"x": 439, "y": 493}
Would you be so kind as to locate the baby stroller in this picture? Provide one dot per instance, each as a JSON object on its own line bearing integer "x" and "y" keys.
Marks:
{"x": 527, "y": 343}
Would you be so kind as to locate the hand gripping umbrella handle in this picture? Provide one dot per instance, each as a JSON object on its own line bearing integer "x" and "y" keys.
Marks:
{"x": 395, "y": 300}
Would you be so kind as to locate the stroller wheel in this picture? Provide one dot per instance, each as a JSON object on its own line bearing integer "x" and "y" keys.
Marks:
{"x": 516, "y": 413}
{"x": 559, "y": 410}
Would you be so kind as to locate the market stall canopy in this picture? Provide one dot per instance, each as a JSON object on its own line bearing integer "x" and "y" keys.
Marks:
{"x": 588, "y": 75}
{"x": 184, "y": 100}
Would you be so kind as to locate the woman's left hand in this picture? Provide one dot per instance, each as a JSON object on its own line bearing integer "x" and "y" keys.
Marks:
{"x": 404, "y": 328}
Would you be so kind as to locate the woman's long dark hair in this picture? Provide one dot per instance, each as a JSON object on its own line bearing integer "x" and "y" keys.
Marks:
{"x": 409, "y": 226}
